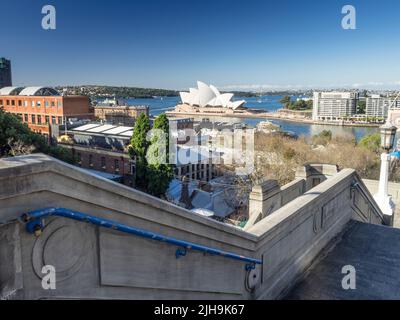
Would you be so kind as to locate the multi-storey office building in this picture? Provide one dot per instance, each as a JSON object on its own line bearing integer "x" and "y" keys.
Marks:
{"x": 377, "y": 106}
{"x": 5, "y": 73}
{"x": 41, "y": 106}
{"x": 334, "y": 106}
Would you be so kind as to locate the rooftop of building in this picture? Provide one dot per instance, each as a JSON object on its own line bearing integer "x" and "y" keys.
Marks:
{"x": 104, "y": 129}
{"x": 115, "y": 103}
{"x": 34, "y": 92}
{"x": 29, "y": 91}
{"x": 176, "y": 119}
{"x": 4, "y": 62}
{"x": 101, "y": 106}
{"x": 10, "y": 91}
{"x": 215, "y": 203}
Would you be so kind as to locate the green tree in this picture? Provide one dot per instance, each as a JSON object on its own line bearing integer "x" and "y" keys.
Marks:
{"x": 300, "y": 105}
{"x": 361, "y": 106}
{"x": 159, "y": 173}
{"x": 158, "y": 179}
{"x": 323, "y": 138}
{"x": 286, "y": 102}
{"x": 161, "y": 122}
{"x": 138, "y": 148}
{"x": 371, "y": 142}
{"x": 17, "y": 139}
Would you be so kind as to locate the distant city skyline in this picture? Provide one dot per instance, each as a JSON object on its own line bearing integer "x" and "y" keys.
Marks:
{"x": 236, "y": 45}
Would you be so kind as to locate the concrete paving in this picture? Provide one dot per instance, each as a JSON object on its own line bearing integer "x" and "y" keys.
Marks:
{"x": 373, "y": 250}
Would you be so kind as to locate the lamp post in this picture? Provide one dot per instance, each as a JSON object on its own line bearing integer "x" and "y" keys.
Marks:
{"x": 388, "y": 133}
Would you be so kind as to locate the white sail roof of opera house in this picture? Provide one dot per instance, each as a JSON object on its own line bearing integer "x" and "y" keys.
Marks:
{"x": 209, "y": 96}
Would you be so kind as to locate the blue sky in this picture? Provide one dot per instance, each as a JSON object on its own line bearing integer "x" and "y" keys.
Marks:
{"x": 230, "y": 43}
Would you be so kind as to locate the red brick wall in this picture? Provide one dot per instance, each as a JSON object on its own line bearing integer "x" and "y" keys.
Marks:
{"x": 124, "y": 163}
{"x": 57, "y": 107}
{"x": 77, "y": 106}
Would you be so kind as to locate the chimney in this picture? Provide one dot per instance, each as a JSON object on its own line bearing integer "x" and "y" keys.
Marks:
{"x": 185, "y": 199}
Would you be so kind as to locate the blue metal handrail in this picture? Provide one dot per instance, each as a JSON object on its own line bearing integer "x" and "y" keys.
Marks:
{"x": 35, "y": 225}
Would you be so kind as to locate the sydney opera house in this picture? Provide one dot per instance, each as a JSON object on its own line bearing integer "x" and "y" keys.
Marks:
{"x": 207, "y": 99}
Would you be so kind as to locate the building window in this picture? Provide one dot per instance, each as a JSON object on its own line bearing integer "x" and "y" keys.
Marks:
{"x": 1, "y": 102}
{"x": 38, "y": 104}
{"x": 39, "y": 119}
{"x": 46, "y": 103}
{"x": 33, "y": 119}
{"x": 53, "y": 104}
{"x": 59, "y": 104}
{"x": 53, "y": 120}
{"x": 33, "y": 103}
{"x": 116, "y": 165}
{"x": 103, "y": 163}
{"x": 19, "y": 103}
{"x": 90, "y": 160}
{"x": 8, "y": 102}
{"x": 25, "y": 117}
{"x": 47, "y": 119}
{"x": 13, "y": 102}
{"x": 25, "y": 103}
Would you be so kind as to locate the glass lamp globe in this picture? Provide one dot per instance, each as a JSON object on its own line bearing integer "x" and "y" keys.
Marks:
{"x": 388, "y": 134}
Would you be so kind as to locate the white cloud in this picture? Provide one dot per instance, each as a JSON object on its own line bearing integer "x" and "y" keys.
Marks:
{"x": 271, "y": 87}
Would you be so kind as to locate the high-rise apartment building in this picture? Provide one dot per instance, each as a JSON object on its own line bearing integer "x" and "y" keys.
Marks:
{"x": 333, "y": 106}
{"x": 377, "y": 106}
{"x": 5, "y": 73}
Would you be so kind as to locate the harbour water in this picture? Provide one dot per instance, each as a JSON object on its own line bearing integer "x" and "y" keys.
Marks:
{"x": 269, "y": 103}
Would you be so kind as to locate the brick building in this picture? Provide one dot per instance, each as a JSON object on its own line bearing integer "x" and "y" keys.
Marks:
{"x": 40, "y": 107}
{"x": 119, "y": 115}
{"x": 113, "y": 162}
{"x": 103, "y": 148}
